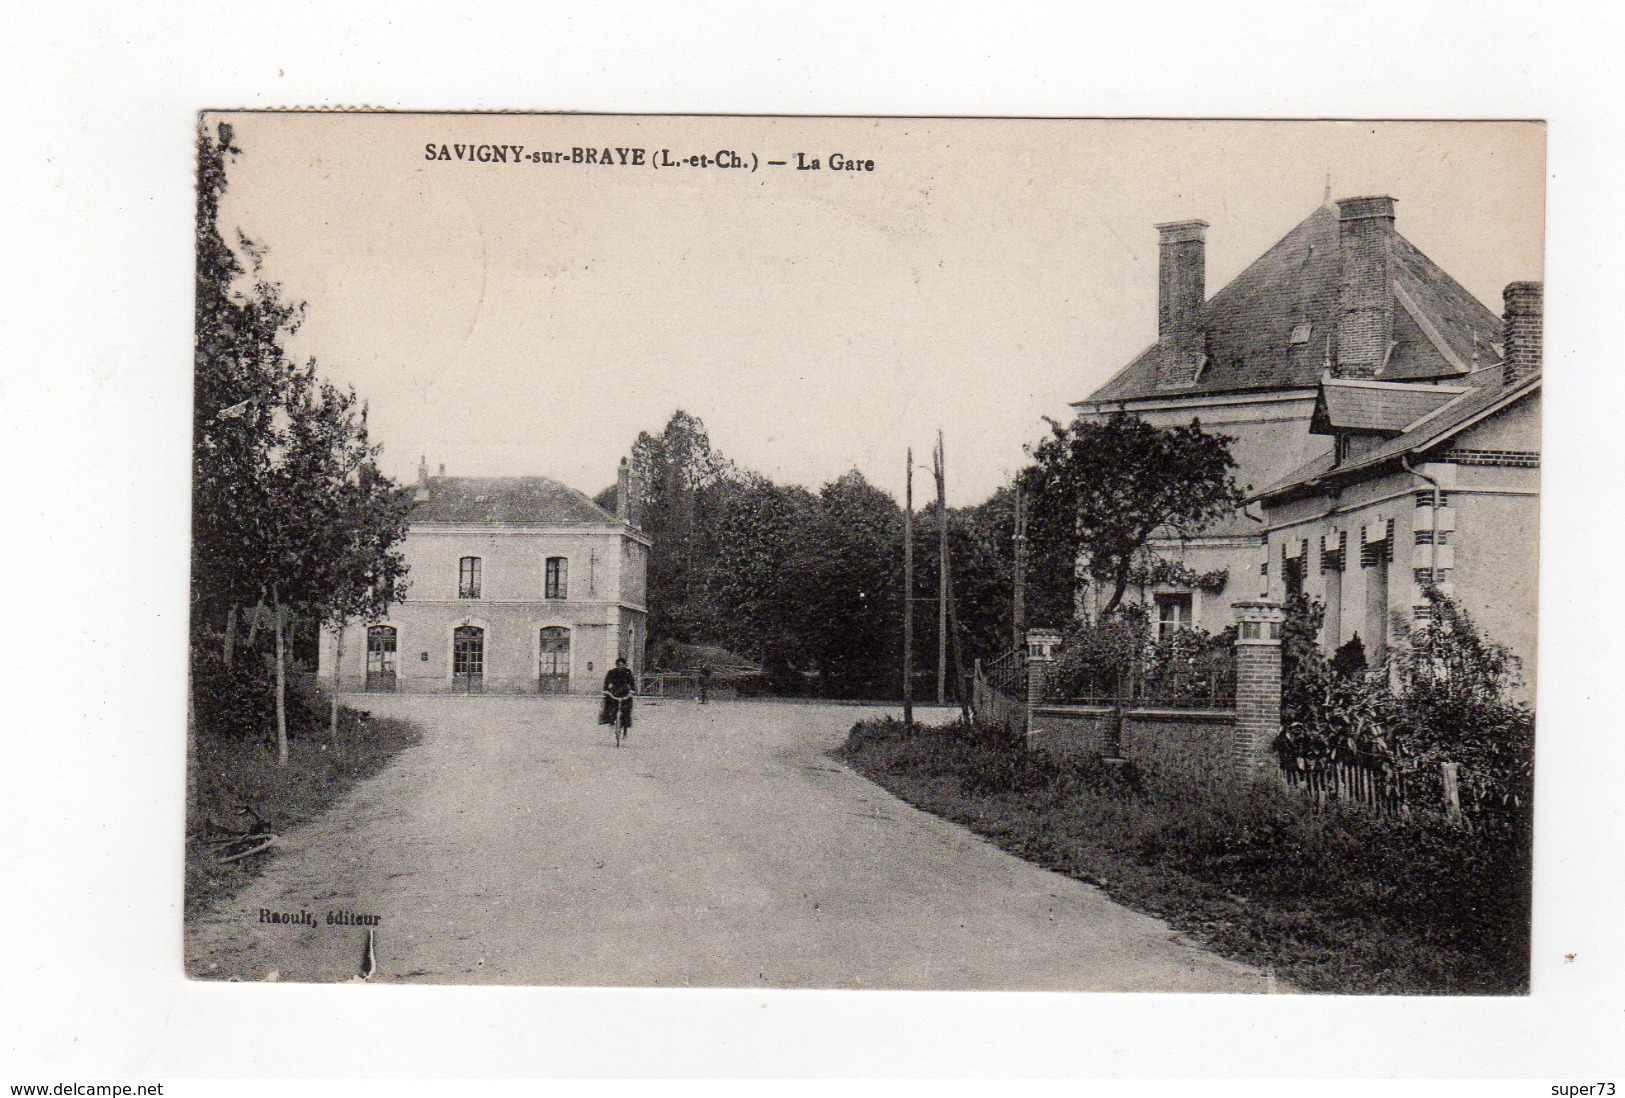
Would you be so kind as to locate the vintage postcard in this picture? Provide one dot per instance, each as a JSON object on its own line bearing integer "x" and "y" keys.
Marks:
{"x": 865, "y": 553}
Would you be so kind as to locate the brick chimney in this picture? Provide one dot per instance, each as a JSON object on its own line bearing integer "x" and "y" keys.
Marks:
{"x": 422, "y": 491}
{"x": 1181, "y": 290}
{"x": 623, "y": 491}
{"x": 1365, "y": 327}
{"x": 1521, "y": 333}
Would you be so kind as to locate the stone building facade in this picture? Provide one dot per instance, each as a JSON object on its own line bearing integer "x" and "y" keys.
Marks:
{"x": 517, "y": 585}
{"x": 1434, "y": 484}
{"x": 1343, "y": 302}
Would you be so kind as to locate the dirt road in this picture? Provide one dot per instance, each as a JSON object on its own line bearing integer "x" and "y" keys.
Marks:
{"x": 721, "y": 847}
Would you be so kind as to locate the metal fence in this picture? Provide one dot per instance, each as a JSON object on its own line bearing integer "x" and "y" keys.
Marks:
{"x": 1141, "y": 687}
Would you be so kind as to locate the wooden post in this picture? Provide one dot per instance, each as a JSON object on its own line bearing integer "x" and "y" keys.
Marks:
{"x": 939, "y": 466}
{"x": 333, "y": 702}
{"x": 908, "y": 593}
{"x": 1018, "y": 614}
{"x": 1452, "y": 790}
{"x": 959, "y": 653}
{"x": 281, "y": 686}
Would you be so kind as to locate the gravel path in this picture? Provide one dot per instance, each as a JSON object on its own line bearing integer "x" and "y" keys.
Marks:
{"x": 721, "y": 847}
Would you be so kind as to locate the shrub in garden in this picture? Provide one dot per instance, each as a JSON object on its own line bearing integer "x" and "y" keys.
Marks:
{"x": 1452, "y": 704}
{"x": 1117, "y": 658}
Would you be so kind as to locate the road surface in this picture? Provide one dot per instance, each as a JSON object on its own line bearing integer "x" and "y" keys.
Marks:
{"x": 721, "y": 847}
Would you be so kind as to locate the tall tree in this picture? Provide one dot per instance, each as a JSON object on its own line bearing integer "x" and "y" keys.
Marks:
{"x": 1101, "y": 490}
{"x": 681, "y": 484}
{"x": 289, "y": 507}
{"x": 848, "y": 573}
{"x": 753, "y": 581}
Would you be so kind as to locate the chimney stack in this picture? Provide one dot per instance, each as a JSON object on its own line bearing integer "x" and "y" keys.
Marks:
{"x": 623, "y": 491}
{"x": 422, "y": 491}
{"x": 1181, "y": 290}
{"x": 1521, "y": 331}
{"x": 1365, "y": 327}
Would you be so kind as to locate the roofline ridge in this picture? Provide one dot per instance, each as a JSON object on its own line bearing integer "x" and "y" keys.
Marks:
{"x": 1424, "y": 322}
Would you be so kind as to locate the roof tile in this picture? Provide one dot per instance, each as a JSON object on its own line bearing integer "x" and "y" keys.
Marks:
{"x": 536, "y": 501}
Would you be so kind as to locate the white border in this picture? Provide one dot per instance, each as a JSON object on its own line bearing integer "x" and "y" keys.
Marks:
{"x": 94, "y": 399}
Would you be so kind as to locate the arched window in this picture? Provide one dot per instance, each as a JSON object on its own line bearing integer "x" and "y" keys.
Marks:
{"x": 468, "y": 578}
{"x": 558, "y": 578}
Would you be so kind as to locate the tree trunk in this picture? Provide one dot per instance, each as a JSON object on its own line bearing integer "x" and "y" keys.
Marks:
{"x": 333, "y": 710}
{"x": 1118, "y": 592}
{"x": 281, "y": 687}
{"x": 230, "y": 642}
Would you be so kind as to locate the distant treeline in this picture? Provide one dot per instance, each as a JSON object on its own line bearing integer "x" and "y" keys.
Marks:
{"x": 810, "y": 584}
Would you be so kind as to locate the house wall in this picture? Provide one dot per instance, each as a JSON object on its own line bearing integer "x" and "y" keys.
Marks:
{"x": 1270, "y": 431}
{"x": 512, "y": 608}
{"x": 1488, "y": 557}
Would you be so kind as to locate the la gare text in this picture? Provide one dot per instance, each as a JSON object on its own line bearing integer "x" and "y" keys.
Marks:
{"x": 615, "y": 156}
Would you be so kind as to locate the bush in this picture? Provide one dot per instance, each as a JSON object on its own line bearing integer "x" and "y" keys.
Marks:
{"x": 1117, "y": 658}
{"x": 1452, "y": 705}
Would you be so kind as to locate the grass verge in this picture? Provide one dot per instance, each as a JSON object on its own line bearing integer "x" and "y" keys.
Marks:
{"x": 234, "y": 772}
{"x": 1334, "y": 900}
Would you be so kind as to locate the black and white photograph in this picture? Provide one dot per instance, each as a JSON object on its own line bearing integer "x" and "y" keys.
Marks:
{"x": 865, "y": 553}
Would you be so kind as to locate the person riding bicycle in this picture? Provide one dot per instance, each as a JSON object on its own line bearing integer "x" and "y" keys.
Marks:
{"x": 619, "y": 686}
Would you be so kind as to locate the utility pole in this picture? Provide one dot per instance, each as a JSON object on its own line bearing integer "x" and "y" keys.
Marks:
{"x": 939, "y": 462}
{"x": 908, "y": 593}
{"x": 1018, "y": 616}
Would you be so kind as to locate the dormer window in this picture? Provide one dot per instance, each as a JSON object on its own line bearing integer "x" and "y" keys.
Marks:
{"x": 468, "y": 578}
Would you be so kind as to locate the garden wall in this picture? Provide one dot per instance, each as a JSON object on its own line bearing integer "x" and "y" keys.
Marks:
{"x": 1194, "y": 742}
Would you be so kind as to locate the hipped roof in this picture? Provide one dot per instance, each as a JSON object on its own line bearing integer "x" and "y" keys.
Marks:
{"x": 1440, "y": 330}
{"x": 533, "y": 501}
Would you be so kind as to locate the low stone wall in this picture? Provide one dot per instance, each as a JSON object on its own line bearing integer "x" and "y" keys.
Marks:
{"x": 1198, "y": 743}
{"x": 1175, "y": 741}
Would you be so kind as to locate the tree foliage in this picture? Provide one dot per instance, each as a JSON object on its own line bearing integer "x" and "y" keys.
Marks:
{"x": 1101, "y": 490}
{"x": 289, "y": 505}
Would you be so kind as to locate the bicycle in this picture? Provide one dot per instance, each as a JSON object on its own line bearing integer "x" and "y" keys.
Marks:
{"x": 623, "y": 716}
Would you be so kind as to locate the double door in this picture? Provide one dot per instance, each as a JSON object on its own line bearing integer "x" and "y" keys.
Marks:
{"x": 553, "y": 661}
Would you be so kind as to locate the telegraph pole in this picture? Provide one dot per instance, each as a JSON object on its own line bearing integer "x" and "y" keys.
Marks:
{"x": 939, "y": 465}
{"x": 1018, "y": 616}
{"x": 908, "y": 594}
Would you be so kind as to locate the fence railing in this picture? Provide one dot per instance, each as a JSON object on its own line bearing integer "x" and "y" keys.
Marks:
{"x": 1139, "y": 688}
{"x": 1007, "y": 674}
{"x": 686, "y": 684}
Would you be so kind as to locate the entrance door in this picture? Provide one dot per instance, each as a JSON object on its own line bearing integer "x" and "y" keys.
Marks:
{"x": 381, "y": 658}
{"x": 553, "y": 671}
{"x": 468, "y": 659}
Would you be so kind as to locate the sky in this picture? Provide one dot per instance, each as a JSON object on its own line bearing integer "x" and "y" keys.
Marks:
{"x": 523, "y": 319}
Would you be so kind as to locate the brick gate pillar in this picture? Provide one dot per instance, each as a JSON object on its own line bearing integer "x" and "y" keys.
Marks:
{"x": 1258, "y": 685}
{"x": 1042, "y": 645}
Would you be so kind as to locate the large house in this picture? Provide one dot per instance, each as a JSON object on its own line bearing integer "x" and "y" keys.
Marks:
{"x": 1427, "y": 484}
{"x": 515, "y": 585}
{"x": 1333, "y": 346}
